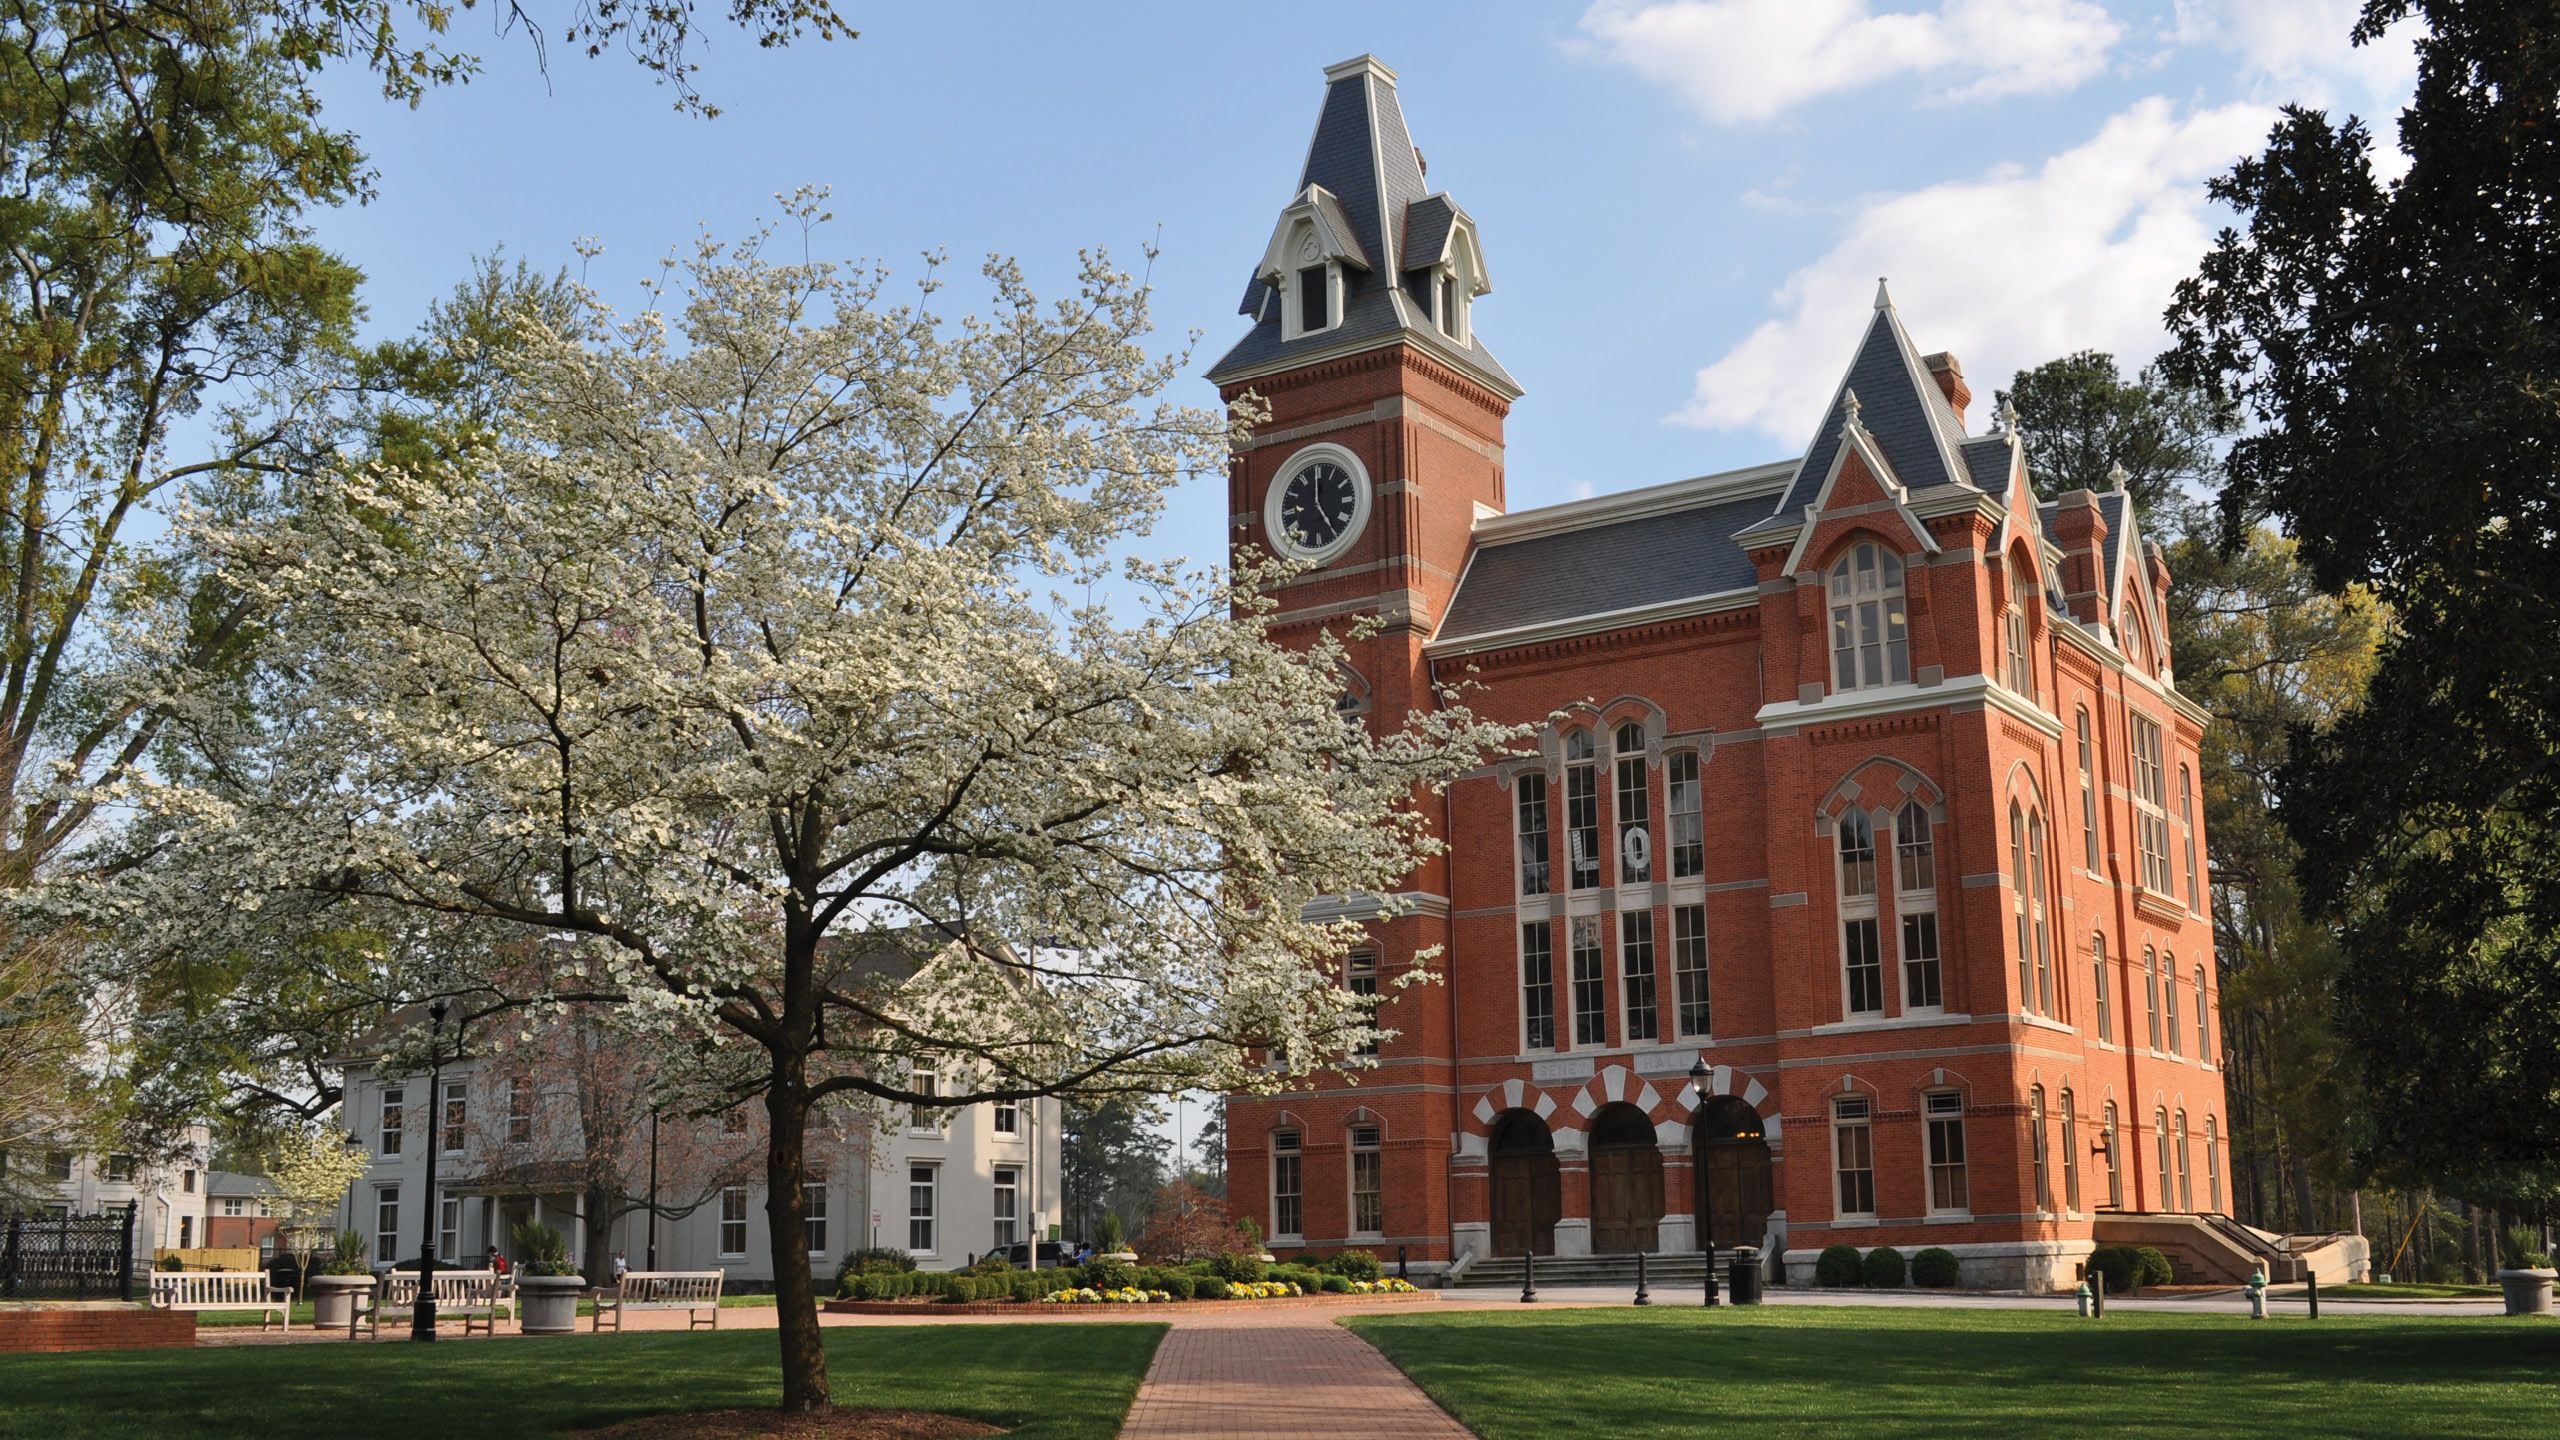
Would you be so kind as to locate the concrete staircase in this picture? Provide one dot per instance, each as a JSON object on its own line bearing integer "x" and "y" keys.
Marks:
{"x": 2211, "y": 1247}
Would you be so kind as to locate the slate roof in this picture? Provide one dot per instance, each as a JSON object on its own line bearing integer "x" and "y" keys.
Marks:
{"x": 1363, "y": 155}
{"x": 2111, "y": 505}
{"x": 1986, "y": 457}
{"x": 1426, "y": 229}
{"x": 1648, "y": 560}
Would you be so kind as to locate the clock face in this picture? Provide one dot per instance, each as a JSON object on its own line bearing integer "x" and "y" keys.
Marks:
{"x": 1317, "y": 505}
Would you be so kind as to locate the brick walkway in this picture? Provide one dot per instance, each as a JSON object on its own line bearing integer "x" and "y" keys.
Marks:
{"x": 1294, "y": 1376}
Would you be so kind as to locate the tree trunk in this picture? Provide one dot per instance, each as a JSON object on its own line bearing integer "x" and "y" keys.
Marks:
{"x": 795, "y": 1296}
{"x": 599, "y": 1241}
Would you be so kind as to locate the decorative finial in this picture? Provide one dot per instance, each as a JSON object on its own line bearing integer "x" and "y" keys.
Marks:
{"x": 1849, "y": 403}
{"x": 2008, "y": 416}
{"x": 2116, "y": 477}
{"x": 1883, "y": 300}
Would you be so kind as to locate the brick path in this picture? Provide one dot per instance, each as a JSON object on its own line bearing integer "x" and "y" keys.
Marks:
{"x": 1282, "y": 1377}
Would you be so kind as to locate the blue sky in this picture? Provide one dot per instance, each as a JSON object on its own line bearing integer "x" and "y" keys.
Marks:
{"x": 1685, "y": 203}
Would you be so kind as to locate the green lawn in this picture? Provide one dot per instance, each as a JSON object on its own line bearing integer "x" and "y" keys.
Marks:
{"x": 2411, "y": 1290}
{"x": 1050, "y": 1382}
{"x": 1845, "y": 1372}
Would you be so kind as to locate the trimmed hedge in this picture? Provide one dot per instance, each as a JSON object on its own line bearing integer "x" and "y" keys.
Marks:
{"x": 2119, "y": 1265}
{"x": 1838, "y": 1268}
{"x": 1356, "y": 1265}
{"x": 957, "y": 1288}
{"x": 1236, "y": 1267}
{"x": 1882, "y": 1269}
{"x": 1305, "y": 1277}
{"x": 1935, "y": 1268}
{"x": 1213, "y": 1287}
{"x": 1180, "y": 1285}
{"x": 1102, "y": 1274}
{"x": 2156, "y": 1269}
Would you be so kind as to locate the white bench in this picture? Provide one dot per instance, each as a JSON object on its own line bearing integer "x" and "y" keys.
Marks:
{"x": 223, "y": 1290}
{"x": 475, "y": 1296}
{"x": 692, "y": 1291}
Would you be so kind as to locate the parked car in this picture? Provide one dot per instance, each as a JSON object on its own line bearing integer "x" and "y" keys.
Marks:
{"x": 1053, "y": 1254}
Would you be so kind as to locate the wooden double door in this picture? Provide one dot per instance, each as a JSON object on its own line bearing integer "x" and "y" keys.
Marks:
{"x": 1734, "y": 1192}
{"x": 1626, "y": 1183}
{"x": 1528, "y": 1189}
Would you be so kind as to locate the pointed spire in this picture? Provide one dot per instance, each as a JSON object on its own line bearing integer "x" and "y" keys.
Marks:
{"x": 2116, "y": 477}
{"x": 1884, "y": 300}
{"x": 2008, "y": 416}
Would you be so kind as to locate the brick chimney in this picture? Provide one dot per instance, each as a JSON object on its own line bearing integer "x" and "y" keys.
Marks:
{"x": 1949, "y": 374}
{"x": 2080, "y": 530}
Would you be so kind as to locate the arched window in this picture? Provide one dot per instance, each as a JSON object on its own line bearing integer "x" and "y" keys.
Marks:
{"x": 2212, "y": 1165}
{"x": 2098, "y": 984}
{"x": 1861, "y": 956}
{"x": 1915, "y": 866}
{"x": 2022, "y": 669}
{"x": 2187, "y": 829}
{"x": 2186, "y": 1189}
{"x": 1688, "y": 834}
{"x": 2150, "y": 806}
{"x": 2018, "y": 904}
{"x": 1529, "y": 802}
{"x": 2070, "y": 1153}
{"x": 2036, "y": 1147}
{"x": 1949, "y": 1192}
{"x": 2151, "y": 992}
{"x": 1368, "y": 1182}
{"x": 2035, "y": 880}
{"x": 2136, "y": 648}
{"x": 1288, "y": 1186}
{"x": 1853, "y": 1154}
{"x": 2088, "y": 796}
{"x": 2109, "y": 1133}
{"x": 2169, "y": 1002}
{"x": 1870, "y": 633}
{"x": 2204, "y": 1032}
{"x": 1635, "y": 808}
{"x": 2160, "y": 1138}
{"x": 1360, "y": 977}
{"x": 1581, "y": 810}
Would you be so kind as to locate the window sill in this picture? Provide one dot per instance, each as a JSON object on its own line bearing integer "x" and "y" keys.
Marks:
{"x": 1855, "y": 1222}
{"x": 2159, "y": 906}
{"x": 1951, "y": 1217}
{"x": 2041, "y": 1023}
{"x": 1884, "y": 1022}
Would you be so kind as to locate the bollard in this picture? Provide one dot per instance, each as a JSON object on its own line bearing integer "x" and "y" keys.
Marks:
{"x": 1643, "y": 1296}
{"x": 2315, "y": 1297}
{"x": 2084, "y": 1299}
{"x": 2098, "y": 1298}
{"x": 1712, "y": 1300}
{"x": 1529, "y": 1278}
{"x": 2257, "y": 1288}
{"x": 1401, "y": 1272}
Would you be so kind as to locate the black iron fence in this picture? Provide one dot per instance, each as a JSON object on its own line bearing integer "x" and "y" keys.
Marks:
{"x": 67, "y": 1257}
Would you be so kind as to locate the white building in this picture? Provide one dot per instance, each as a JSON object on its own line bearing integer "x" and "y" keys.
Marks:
{"x": 169, "y": 1195}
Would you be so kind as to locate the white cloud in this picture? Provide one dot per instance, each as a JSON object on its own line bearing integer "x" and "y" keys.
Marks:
{"x": 2007, "y": 269}
{"x": 2299, "y": 50}
{"x": 1744, "y": 60}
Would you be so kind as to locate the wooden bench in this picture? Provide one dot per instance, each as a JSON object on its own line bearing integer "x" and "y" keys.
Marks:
{"x": 692, "y": 1291}
{"x": 476, "y": 1296}
{"x": 223, "y": 1290}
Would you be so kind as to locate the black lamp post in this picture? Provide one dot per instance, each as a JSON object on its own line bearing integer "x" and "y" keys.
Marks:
{"x": 422, "y": 1316}
{"x": 1700, "y": 1077}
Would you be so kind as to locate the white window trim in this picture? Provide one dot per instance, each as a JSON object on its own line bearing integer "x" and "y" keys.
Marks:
{"x": 1839, "y": 591}
{"x": 827, "y": 1218}
{"x": 453, "y": 1090}
{"x": 721, "y": 1222}
{"x": 1928, "y": 1165}
{"x": 1298, "y": 1149}
{"x": 1866, "y": 1120}
{"x": 1853, "y": 908}
{"x": 1351, "y": 1151}
{"x": 937, "y": 1219}
{"x": 1292, "y": 311}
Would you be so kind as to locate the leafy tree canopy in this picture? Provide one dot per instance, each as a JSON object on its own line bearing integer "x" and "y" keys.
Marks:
{"x": 2082, "y": 419}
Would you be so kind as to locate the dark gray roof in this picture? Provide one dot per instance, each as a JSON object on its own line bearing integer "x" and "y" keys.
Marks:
{"x": 1426, "y": 230}
{"x": 1987, "y": 457}
{"x": 1899, "y": 405}
{"x": 2111, "y": 506}
{"x": 1364, "y": 157}
{"x": 1649, "y": 560}
{"x": 1330, "y": 206}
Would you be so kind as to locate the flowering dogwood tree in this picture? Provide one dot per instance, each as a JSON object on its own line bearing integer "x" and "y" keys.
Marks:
{"x": 759, "y": 633}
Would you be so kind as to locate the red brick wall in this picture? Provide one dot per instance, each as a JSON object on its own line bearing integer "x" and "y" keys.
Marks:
{"x": 94, "y": 1327}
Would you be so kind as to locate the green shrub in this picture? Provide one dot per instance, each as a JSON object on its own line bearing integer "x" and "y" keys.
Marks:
{"x": 1935, "y": 1268}
{"x": 876, "y": 1258}
{"x": 2118, "y": 1265}
{"x": 1305, "y": 1277}
{"x": 1236, "y": 1267}
{"x": 2155, "y": 1267}
{"x": 1213, "y": 1287}
{"x": 1179, "y": 1285}
{"x": 1355, "y": 1265}
{"x": 1882, "y": 1269}
{"x": 1103, "y": 1274}
{"x": 1837, "y": 1268}
{"x": 1113, "y": 1235}
{"x": 990, "y": 1263}
{"x": 1337, "y": 1285}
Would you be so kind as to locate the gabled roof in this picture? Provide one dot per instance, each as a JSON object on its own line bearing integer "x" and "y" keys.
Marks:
{"x": 1427, "y": 223}
{"x": 1914, "y": 427}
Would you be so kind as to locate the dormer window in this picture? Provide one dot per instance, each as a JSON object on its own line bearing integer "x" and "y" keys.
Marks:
{"x": 1315, "y": 298}
{"x": 1870, "y": 635}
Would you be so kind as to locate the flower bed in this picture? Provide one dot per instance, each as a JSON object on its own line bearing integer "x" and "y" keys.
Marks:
{"x": 1063, "y": 1303}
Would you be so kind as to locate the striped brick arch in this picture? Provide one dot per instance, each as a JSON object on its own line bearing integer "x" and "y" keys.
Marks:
{"x": 1669, "y": 1109}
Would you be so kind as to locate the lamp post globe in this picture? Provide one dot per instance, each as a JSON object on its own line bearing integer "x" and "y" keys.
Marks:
{"x": 1700, "y": 1077}
{"x": 422, "y": 1315}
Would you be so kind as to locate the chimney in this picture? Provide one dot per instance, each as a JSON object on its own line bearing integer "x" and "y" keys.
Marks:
{"x": 1944, "y": 369}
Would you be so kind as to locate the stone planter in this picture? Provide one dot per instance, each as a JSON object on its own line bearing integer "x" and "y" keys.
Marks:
{"x": 2528, "y": 1291}
{"x": 549, "y": 1303}
{"x": 1127, "y": 1256}
{"x": 333, "y": 1299}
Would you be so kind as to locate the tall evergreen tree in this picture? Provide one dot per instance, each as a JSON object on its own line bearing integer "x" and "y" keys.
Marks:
{"x": 2082, "y": 419}
{"x": 2394, "y": 346}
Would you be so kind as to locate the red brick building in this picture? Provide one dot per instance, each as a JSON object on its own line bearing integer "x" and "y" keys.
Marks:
{"x": 1871, "y": 792}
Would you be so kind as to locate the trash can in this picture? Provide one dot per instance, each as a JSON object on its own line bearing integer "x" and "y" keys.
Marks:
{"x": 1743, "y": 1280}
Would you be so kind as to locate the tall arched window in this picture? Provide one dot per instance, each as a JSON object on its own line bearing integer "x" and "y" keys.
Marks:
{"x": 2070, "y": 1153}
{"x": 1915, "y": 899}
{"x": 2160, "y": 1139}
{"x": 1581, "y": 810}
{"x": 2018, "y": 904}
{"x": 2204, "y": 1032}
{"x": 2186, "y": 1188}
{"x": 1529, "y": 800}
{"x": 2151, "y": 992}
{"x": 2098, "y": 984}
{"x": 1635, "y": 808}
{"x": 2022, "y": 669}
{"x": 2088, "y": 796}
{"x": 1860, "y": 955}
{"x": 1288, "y": 1186}
{"x": 2169, "y": 1002}
{"x": 2110, "y": 1133}
{"x": 1368, "y": 1182}
{"x": 1688, "y": 833}
{"x": 1870, "y": 633}
{"x": 2045, "y": 997}
{"x": 2036, "y": 1147}
{"x": 2212, "y": 1165}
{"x": 2187, "y": 828}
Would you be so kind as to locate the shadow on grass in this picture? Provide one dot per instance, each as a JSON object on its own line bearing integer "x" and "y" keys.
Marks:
{"x": 1907, "y": 1373}
{"x": 1045, "y": 1382}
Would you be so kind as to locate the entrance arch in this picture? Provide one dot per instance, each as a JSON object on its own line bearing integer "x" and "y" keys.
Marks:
{"x": 1733, "y": 1173}
{"x": 1528, "y": 1192}
{"x": 1626, "y": 1182}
